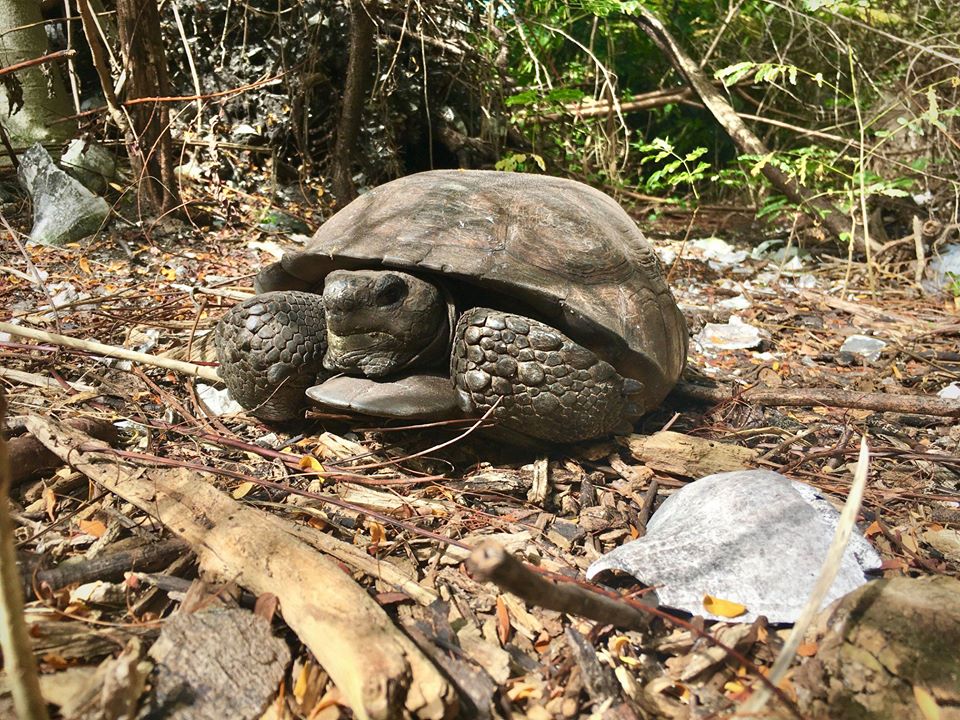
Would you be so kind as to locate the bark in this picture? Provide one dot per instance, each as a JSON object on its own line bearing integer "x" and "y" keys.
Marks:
{"x": 837, "y": 223}
{"x": 354, "y": 93}
{"x": 145, "y": 61}
{"x": 45, "y": 99}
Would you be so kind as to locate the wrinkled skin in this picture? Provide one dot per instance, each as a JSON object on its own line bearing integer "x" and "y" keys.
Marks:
{"x": 381, "y": 322}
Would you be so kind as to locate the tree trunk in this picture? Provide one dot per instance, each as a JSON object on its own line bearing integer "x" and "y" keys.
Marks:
{"x": 355, "y": 92}
{"x": 45, "y": 99}
{"x": 141, "y": 44}
{"x": 839, "y": 224}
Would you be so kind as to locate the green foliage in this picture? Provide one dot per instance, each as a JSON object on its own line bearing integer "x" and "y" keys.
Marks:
{"x": 953, "y": 284}
{"x": 518, "y": 162}
{"x": 678, "y": 169}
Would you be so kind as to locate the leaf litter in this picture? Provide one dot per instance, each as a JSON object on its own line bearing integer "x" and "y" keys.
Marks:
{"x": 400, "y": 519}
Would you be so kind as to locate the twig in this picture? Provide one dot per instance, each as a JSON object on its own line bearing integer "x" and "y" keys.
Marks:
{"x": 18, "y": 661}
{"x": 52, "y": 57}
{"x": 828, "y": 573}
{"x": 204, "y": 372}
{"x": 491, "y": 563}
{"x": 822, "y": 397}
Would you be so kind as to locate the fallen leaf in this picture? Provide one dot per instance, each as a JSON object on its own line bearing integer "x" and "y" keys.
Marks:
{"x": 723, "y": 608}
{"x": 309, "y": 462}
{"x": 503, "y": 621}
{"x": 807, "y": 649}
{"x": 92, "y": 527}
{"x": 927, "y": 703}
{"x": 241, "y": 490}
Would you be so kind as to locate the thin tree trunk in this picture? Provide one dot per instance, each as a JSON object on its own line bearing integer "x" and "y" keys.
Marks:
{"x": 839, "y": 224}
{"x": 138, "y": 23}
{"x": 45, "y": 99}
{"x": 354, "y": 94}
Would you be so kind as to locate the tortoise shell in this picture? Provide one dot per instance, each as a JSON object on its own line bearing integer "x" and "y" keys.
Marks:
{"x": 548, "y": 247}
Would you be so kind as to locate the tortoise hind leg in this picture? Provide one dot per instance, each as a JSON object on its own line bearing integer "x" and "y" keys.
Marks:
{"x": 544, "y": 384}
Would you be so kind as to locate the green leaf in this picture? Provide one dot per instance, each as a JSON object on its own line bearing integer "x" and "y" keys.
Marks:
{"x": 527, "y": 97}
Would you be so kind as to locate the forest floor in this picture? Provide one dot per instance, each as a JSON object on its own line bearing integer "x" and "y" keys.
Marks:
{"x": 400, "y": 511}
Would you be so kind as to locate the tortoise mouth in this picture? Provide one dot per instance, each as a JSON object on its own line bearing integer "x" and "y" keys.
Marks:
{"x": 369, "y": 353}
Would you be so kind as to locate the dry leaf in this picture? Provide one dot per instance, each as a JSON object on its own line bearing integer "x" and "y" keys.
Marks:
{"x": 503, "y": 621}
{"x": 723, "y": 608}
{"x": 92, "y": 527}
{"x": 50, "y": 503}
{"x": 241, "y": 490}
{"x": 85, "y": 265}
{"x": 309, "y": 462}
{"x": 807, "y": 649}
{"x": 927, "y": 703}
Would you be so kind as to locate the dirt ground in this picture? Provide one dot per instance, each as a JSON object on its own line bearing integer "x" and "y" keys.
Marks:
{"x": 398, "y": 511}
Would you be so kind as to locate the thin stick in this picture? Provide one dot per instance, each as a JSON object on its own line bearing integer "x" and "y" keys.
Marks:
{"x": 828, "y": 574}
{"x": 204, "y": 372}
{"x": 52, "y": 57}
{"x": 821, "y": 397}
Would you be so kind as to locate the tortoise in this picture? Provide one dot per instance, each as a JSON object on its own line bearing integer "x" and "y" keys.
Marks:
{"x": 528, "y": 299}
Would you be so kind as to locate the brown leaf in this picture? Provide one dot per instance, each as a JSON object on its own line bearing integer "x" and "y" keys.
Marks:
{"x": 503, "y": 621}
{"x": 92, "y": 527}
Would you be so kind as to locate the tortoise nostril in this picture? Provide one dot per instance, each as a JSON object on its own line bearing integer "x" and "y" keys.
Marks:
{"x": 390, "y": 289}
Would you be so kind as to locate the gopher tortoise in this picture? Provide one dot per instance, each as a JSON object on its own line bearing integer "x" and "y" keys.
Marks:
{"x": 531, "y": 300}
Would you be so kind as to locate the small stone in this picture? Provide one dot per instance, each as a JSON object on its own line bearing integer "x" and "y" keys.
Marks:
{"x": 869, "y": 348}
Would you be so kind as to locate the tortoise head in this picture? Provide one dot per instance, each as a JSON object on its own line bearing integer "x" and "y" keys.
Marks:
{"x": 382, "y": 321}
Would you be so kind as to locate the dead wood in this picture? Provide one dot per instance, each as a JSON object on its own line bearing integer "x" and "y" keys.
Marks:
{"x": 28, "y": 456}
{"x": 18, "y": 661}
{"x": 203, "y": 372}
{"x": 380, "y": 672}
{"x": 819, "y": 209}
{"x": 226, "y": 660}
{"x": 491, "y": 563}
{"x": 821, "y": 397}
{"x": 688, "y": 455}
{"x": 111, "y": 566}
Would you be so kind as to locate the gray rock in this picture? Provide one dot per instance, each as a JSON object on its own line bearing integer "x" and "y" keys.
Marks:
{"x": 91, "y": 164}
{"x": 754, "y": 537}
{"x": 63, "y": 209}
{"x": 943, "y": 272}
{"x": 735, "y": 335}
{"x": 869, "y": 348}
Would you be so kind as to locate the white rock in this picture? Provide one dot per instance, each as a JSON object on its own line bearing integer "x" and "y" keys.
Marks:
{"x": 754, "y": 537}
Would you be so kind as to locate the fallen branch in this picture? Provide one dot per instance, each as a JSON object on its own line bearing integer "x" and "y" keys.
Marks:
{"x": 492, "y": 563}
{"x": 112, "y": 566}
{"x": 204, "y": 372}
{"x": 29, "y": 456}
{"x": 821, "y": 397}
{"x": 380, "y": 671}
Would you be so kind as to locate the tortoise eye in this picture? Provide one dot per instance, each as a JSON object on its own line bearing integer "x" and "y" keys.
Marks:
{"x": 390, "y": 289}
